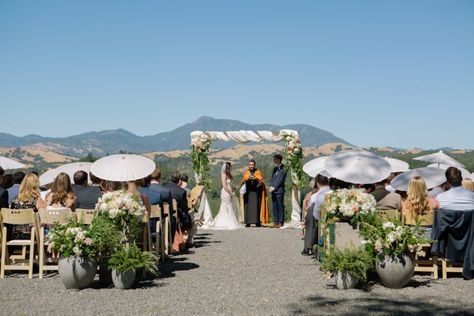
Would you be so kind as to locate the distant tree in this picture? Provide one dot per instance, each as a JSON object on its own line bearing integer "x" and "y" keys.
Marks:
{"x": 89, "y": 158}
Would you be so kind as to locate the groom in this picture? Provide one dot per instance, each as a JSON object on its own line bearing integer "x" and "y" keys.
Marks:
{"x": 277, "y": 189}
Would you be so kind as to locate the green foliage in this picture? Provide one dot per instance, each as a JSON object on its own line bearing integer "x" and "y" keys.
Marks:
{"x": 130, "y": 257}
{"x": 71, "y": 239}
{"x": 106, "y": 234}
{"x": 355, "y": 261}
{"x": 89, "y": 158}
{"x": 392, "y": 238}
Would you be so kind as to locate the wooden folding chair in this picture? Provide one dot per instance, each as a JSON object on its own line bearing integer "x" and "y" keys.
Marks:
{"x": 50, "y": 217}
{"x": 157, "y": 214}
{"x": 448, "y": 266}
{"x": 428, "y": 264}
{"x": 84, "y": 216}
{"x": 388, "y": 215}
{"x": 18, "y": 217}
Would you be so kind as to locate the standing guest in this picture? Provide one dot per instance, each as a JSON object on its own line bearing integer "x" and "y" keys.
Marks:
{"x": 61, "y": 194}
{"x": 184, "y": 184}
{"x": 277, "y": 189}
{"x": 456, "y": 198}
{"x": 87, "y": 196}
{"x": 28, "y": 198}
{"x": 3, "y": 191}
{"x": 310, "y": 229}
{"x": 17, "y": 178}
{"x": 468, "y": 184}
{"x": 418, "y": 206}
{"x": 317, "y": 200}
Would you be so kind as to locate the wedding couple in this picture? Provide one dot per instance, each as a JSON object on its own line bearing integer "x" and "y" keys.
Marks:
{"x": 254, "y": 196}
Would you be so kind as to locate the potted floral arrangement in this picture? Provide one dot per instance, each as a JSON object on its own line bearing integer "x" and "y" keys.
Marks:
{"x": 200, "y": 146}
{"x": 127, "y": 261}
{"x": 125, "y": 210}
{"x": 77, "y": 264}
{"x": 294, "y": 155}
{"x": 349, "y": 266}
{"x": 394, "y": 246}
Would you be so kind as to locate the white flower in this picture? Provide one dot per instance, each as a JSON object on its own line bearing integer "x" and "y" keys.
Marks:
{"x": 77, "y": 251}
{"x": 388, "y": 225}
{"x": 392, "y": 237}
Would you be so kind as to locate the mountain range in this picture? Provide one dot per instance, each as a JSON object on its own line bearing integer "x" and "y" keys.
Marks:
{"x": 113, "y": 141}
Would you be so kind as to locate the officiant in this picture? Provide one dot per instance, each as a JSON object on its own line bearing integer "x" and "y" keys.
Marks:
{"x": 254, "y": 196}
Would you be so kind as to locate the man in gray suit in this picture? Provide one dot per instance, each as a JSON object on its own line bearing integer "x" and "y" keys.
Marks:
{"x": 277, "y": 189}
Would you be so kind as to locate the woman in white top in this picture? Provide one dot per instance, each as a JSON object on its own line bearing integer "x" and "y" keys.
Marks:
{"x": 227, "y": 218}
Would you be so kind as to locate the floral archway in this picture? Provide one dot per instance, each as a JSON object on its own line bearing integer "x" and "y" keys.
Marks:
{"x": 293, "y": 157}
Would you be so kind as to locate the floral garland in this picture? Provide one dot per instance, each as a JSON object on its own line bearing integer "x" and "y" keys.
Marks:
{"x": 293, "y": 155}
{"x": 200, "y": 147}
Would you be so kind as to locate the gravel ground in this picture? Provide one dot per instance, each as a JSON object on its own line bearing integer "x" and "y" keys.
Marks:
{"x": 256, "y": 271}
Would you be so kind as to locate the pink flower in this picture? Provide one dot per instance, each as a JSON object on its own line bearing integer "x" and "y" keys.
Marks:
{"x": 378, "y": 245}
{"x": 88, "y": 241}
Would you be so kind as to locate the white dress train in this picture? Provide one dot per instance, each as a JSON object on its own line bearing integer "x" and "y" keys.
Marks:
{"x": 227, "y": 218}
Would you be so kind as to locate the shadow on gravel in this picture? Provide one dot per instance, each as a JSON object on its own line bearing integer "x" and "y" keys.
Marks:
{"x": 320, "y": 305}
{"x": 168, "y": 269}
{"x": 199, "y": 244}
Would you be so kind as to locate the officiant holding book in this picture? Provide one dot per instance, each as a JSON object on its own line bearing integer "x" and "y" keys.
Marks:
{"x": 255, "y": 196}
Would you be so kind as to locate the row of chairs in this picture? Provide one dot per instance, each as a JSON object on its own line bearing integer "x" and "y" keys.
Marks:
{"x": 24, "y": 259}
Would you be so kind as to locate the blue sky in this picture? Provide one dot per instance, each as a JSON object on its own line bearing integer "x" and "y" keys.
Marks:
{"x": 397, "y": 73}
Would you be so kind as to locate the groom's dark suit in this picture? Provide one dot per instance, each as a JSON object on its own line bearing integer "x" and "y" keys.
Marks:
{"x": 278, "y": 194}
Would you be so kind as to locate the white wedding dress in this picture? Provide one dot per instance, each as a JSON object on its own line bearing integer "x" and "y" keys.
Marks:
{"x": 227, "y": 218}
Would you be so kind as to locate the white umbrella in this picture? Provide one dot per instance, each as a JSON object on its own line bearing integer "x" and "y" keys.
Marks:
{"x": 358, "y": 167}
{"x": 432, "y": 176}
{"x": 464, "y": 172}
{"x": 7, "y": 163}
{"x": 69, "y": 168}
{"x": 440, "y": 157}
{"x": 123, "y": 167}
{"x": 397, "y": 165}
{"x": 314, "y": 167}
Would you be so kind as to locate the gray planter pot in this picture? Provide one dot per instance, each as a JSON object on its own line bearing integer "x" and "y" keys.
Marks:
{"x": 395, "y": 271}
{"x": 123, "y": 280}
{"x": 77, "y": 272}
{"x": 344, "y": 280}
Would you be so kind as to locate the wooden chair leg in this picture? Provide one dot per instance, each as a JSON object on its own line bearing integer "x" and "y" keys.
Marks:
{"x": 41, "y": 253}
{"x": 167, "y": 236}
{"x": 4, "y": 253}
{"x": 435, "y": 267}
{"x": 444, "y": 266}
{"x": 32, "y": 253}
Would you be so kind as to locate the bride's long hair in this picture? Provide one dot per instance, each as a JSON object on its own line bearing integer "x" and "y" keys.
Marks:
{"x": 227, "y": 172}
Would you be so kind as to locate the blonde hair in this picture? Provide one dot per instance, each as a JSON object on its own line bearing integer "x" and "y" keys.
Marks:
{"x": 468, "y": 184}
{"x": 29, "y": 188}
{"x": 61, "y": 189}
{"x": 417, "y": 196}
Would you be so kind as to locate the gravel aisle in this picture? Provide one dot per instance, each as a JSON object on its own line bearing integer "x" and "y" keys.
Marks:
{"x": 250, "y": 271}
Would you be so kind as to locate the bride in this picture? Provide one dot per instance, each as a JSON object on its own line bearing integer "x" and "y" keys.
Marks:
{"x": 229, "y": 209}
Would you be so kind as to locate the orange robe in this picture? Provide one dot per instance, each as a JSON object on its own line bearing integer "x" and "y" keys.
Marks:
{"x": 264, "y": 207}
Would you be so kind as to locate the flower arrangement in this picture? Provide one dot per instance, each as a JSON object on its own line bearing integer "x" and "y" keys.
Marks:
{"x": 294, "y": 155}
{"x": 125, "y": 210}
{"x": 350, "y": 203}
{"x": 200, "y": 146}
{"x": 392, "y": 238}
{"x": 71, "y": 239}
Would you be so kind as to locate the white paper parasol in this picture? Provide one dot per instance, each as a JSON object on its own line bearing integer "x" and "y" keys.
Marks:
{"x": 358, "y": 167}
{"x": 432, "y": 176}
{"x": 8, "y": 164}
{"x": 397, "y": 165}
{"x": 123, "y": 167}
{"x": 439, "y": 158}
{"x": 314, "y": 167}
{"x": 69, "y": 168}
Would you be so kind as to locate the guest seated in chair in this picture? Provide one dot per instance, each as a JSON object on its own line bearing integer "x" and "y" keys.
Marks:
{"x": 87, "y": 196}
{"x": 385, "y": 199}
{"x": 456, "y": 198}
{"x": 418, "y": 206}
{"x": 61, "y": 194}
